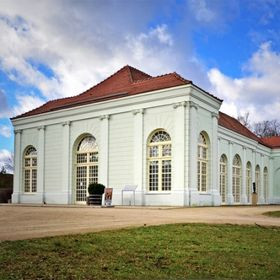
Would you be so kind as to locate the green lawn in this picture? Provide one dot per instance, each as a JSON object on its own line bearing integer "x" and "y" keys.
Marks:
{"x": 158, "y": 252}
{"x": 272, "y": 214}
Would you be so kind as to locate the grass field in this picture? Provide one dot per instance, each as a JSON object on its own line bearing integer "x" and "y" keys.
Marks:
{"x": 273, "y": 214}
{"x": 158, "y": 252}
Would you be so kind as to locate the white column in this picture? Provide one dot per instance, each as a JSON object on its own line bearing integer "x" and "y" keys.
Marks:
{"x": 214, "y": 170}
{"x": 17, "y": 188}
{"x": 66, "y": 186}
{"x": 270, "y": 180}
{"x": 178, "y": 154}
{"x": 218, "y": 163}
{"x": 253, "y": 168}
{"x": 261, "y": 187}
{"x": 138, "y": 155}
{"x": 230, "y": 159}
{"x": 194, "y": 196}
{"x": 41, "y": 163}
{"x": 104, "y": 150}
{"x": 243, "y": 186}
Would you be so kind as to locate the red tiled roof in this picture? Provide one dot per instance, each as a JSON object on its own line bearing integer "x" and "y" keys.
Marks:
{"x": 234, "y": 125}
{"x": 273, "y": 141}
{"x": 125, "y": 82}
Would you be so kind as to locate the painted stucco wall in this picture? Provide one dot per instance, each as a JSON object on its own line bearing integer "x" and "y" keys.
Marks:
{"x": 122, "y": 129}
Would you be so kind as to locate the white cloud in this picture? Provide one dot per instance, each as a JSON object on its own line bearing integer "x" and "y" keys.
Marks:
{"x": 82, "y": 53}
{"x": 5, "y": 131}
{"x": 26, "y": 103}
{"x": 257, "y": 91}
{"x": 202, "y": 11}
{"x": 6, "y": 158}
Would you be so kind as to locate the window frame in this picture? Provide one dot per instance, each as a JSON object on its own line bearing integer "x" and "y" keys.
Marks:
{"x": 83, "y": 167}
{"x": 159, "y": 158}
{"x": 223, "y": 175}
{"x": 202, "y": 149}
{"x": 248, "y": 181}
{"x": 236, "y": 178}
{"x": 32, "y": 169}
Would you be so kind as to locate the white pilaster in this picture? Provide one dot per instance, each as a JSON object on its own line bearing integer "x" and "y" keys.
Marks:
{"x": 243, "y": 186}
{"x": 104, "y": 150}
{"x": 194, "y": 196}
{"x": 66, "y": 186}
{"x": 138, "y": 155}
{"x": 41, "y": 163}
{"x": 178, "y": 148}
{"x": 229, "y": 177}
{"x": 17, "y": 188}
{"x": 214, "y": 170}
{"x": 261, "y": 187}
{"x": 253, "y": 168}
{"x": 270, "y": 181}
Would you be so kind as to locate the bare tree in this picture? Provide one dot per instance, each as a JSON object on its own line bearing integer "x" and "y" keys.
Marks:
{"x": 9, "y": 163}
{"x": 267, "y": 128}
{"x": 261, "y": 129}
{"x": 244, "y": 119}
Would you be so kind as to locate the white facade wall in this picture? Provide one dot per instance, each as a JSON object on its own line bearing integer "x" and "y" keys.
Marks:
{"x": 122, "y": 128}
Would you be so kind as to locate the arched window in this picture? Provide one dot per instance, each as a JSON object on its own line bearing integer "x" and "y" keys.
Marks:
{"x": 257, "y": 178}
{"x": 236, "y": 178}
{"x": 265, "y": 183}
{"x": 248, "y": 180}
{"x": 223, "y": 177}
{"x": 159, "y": 161}
{"x": 202, "y": 163}
{"x": 86, "y": 166}
{"x": 30, "y": 170}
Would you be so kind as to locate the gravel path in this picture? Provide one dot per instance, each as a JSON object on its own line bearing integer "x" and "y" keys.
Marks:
{"x": 24, "y": 222}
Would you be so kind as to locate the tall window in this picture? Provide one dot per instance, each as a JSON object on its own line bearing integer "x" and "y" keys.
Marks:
{"x": 223, "y": 177}
{"x": 248, "y": 180}
{"x": 30, "y": 170}
{"x": 202, "y": 163}
{"x": 236, "y": 178}
{"x": 86, "y": 166}
{"x": 159, "y": 161}
{"x": 265, "y": 183}
{"x": 257, "y": 178}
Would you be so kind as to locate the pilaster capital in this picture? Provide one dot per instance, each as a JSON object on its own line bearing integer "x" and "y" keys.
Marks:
{"x": 244, "y": 148}
{"x": 191, "y": 104}
{"x": 230, "y": 142}
{"x": 219, "y": 138}
{"x": 104, "y": 117}
{"x": 271, "y": 158}
{"x": 17, "y": 131}
{"x": 67, "y": 123}
{"x": 179, "y": 104}
{"x": 138, "y": 111}
{"x": 41, "y": 127}
{"x": 214, "y": 115}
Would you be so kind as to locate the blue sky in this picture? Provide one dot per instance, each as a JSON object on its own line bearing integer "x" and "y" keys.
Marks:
{"x": 55, "y": 48}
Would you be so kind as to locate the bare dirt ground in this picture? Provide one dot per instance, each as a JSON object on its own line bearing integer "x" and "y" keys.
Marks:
{"x": 25, "y": 222}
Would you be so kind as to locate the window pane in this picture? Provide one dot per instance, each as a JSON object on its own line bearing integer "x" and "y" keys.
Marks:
{"x": 82, "y": 158}
{"x": 34, "y": 180}
{"x": 93, "y": 157}
{"x": 27, "y": 180}
{"x": 166, "y": 150}
{"x": 81, "y": 183}
{"x": 153, "y": 151}
{"x": 166, "y": 175}
{"x": 153, "y": 175}
{"x": 34, "y": 161}
{"x": 27, "y": 162}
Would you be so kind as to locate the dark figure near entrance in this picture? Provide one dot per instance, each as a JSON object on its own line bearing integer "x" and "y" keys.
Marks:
{"x": 254, "y": 187}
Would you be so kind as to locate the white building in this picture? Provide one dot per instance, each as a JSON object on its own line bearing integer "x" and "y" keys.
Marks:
{"x": 163, "y": 134}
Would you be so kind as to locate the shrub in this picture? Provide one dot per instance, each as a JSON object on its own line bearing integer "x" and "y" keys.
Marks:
{"x": 96, "y": 188}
